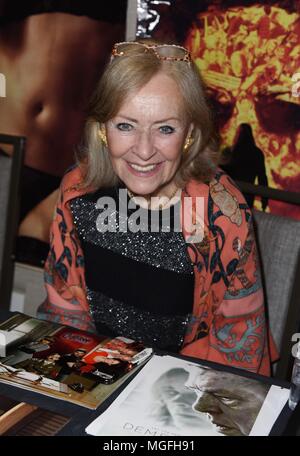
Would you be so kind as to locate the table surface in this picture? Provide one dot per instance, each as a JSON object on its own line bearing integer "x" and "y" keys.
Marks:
{"x": 288, "y": 422}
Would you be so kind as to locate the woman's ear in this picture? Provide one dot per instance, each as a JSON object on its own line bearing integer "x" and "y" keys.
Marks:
{"x": 189, "y": 138}
{"x": 190, "y": 130}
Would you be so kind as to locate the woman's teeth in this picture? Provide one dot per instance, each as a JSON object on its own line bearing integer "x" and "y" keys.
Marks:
{"x": 143, "y": 169}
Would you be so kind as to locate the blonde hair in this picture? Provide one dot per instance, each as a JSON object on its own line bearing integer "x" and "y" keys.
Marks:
{"x": 123, "y": 77}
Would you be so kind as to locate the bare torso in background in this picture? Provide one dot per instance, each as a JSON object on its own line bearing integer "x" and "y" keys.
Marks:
{"x": 51, "y": 63}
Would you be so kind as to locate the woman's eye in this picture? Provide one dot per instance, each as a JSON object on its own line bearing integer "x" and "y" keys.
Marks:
{"x": 166, "y": 129}
{"x": 123, "y": 126}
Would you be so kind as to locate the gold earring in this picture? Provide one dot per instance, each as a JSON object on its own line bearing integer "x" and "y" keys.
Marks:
{"x": 188, "y": 142}
{"x": 103, "y": 137}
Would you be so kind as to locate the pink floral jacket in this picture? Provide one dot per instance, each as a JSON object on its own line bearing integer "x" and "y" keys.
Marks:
{"x": 228, "y": 322}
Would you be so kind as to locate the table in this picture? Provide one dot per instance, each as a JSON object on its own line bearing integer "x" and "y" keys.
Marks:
{"x": 288, "y": 423}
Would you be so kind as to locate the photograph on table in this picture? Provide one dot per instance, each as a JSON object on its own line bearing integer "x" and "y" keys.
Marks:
{"x": 75, "y": 365}
{"x": 174, "y": 397}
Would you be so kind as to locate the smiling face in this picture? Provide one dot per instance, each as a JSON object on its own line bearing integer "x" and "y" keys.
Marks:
{"x": 231, "y": 402}
{"x": 146, "y": 137}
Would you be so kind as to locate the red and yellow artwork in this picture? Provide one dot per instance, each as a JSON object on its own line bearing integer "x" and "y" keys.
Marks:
{"x": 249, "y": 57}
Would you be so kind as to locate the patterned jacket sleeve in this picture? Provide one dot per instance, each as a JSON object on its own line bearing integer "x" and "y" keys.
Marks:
{"x": 229, "y": 324}
{"x": 66, "y": 301}
{"x": 238, "y": 334}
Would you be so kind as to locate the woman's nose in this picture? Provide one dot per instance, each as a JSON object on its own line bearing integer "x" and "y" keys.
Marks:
{"x": 144, "y": 147}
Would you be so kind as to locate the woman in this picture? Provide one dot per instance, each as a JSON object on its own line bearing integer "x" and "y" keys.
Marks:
{"x": 149, "y": 134}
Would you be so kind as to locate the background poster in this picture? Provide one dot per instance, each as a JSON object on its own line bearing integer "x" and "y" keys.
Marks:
{"x": 248, "y": 53}
{"x": 52, "y": 54}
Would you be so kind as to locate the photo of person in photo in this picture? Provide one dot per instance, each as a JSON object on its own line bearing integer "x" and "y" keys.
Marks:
{"x": 173, "y": 403}
{"x": 104, "y": 357}
{"x": 195, "y": 400}
{"x": 124, "y": 345}
{"x": 113, "y": 370}
{"x": 231, "y": 402}
{"x": 174, "y": 397}
{"x": 48, "y": 367}
{"x": 103, "y": 354}
{"x": 71, "y": 362}
{"x": 106, "y": 364}
{"x": 55, "y": 362}
{"x": 36, "y": 349}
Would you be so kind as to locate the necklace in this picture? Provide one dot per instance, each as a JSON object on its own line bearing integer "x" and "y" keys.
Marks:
{"x": 160, "y": 206}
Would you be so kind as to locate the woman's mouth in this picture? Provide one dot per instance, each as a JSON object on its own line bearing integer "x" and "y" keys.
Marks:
{"x": 145, "y": 170}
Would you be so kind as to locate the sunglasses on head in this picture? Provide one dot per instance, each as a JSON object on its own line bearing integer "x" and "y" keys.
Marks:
{"x": 167, "y": 52}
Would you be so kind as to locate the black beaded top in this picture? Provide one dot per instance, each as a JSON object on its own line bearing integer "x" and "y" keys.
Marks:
{"x": 139, "y": 277}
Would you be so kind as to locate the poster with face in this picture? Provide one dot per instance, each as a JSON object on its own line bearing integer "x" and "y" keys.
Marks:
{"x": 51, "y": 56}
{"x": 174, "y": 397}
{"x": 248, "y": 53}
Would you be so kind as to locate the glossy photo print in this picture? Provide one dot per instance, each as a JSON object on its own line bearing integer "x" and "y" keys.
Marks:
{"x": 248, "y": 53}
{"x": 65, "y": 362}
{"x": 174, "y": 397}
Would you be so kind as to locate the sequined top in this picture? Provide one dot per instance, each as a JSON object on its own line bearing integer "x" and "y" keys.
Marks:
{"x": 154, "y": 299}
{"x": 228, "y": 319}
